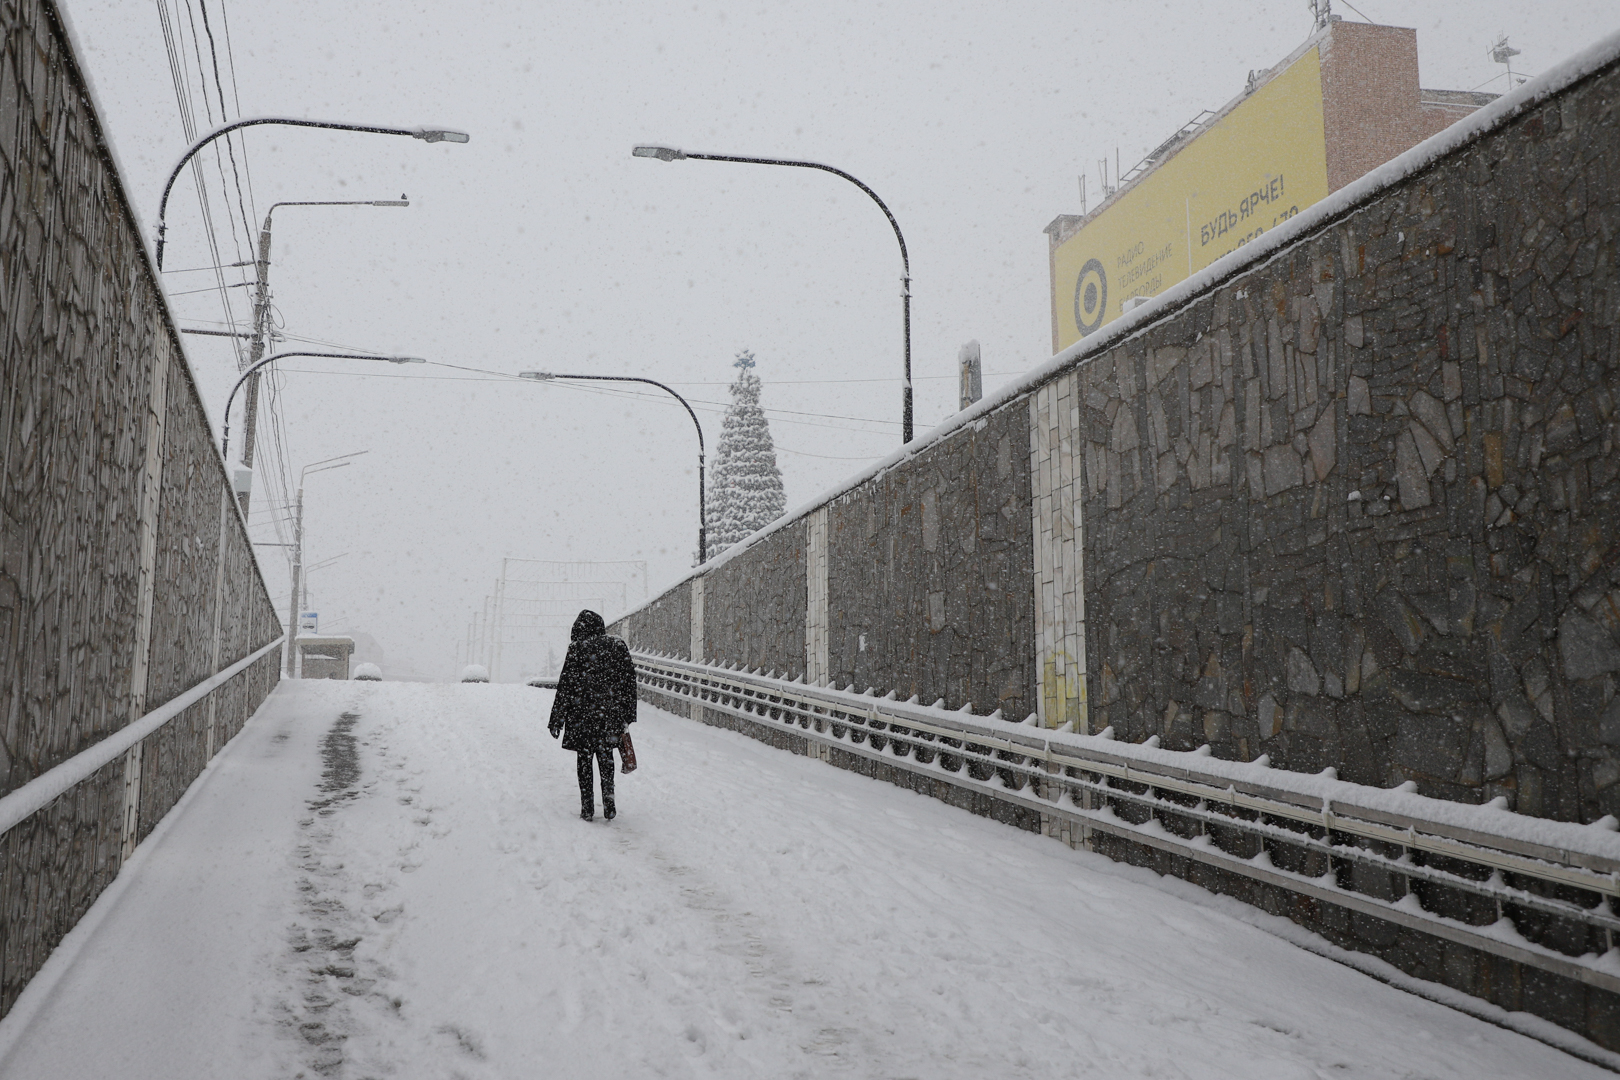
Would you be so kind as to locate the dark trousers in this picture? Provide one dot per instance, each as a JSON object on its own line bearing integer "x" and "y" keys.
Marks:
{"x": 604, "y": 759}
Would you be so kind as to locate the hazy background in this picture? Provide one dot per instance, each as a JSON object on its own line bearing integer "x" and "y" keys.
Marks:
{"x": 543, "y": 244}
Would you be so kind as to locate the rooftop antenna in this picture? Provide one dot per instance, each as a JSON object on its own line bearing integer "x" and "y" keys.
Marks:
{"x": 1503, "y": 53}
{"x": 1321, "y": 12}
{"x": 1082, "y": 194}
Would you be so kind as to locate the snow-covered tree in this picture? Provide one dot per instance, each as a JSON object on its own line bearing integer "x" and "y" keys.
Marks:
{"x": 745, "y": 486}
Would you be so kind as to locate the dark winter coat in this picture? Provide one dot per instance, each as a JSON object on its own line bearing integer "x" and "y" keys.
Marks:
{"x": 596, "y": 692}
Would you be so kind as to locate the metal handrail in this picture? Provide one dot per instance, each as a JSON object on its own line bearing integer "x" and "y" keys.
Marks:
{"x": 19, "y": 805}
{"x": 1087, "y": 776}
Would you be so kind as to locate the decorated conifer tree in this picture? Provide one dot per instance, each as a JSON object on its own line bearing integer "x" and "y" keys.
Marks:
{"x": 745, "y": 486}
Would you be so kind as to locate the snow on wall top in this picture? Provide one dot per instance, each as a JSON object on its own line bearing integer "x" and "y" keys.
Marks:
{"x": 1605, "y": 53}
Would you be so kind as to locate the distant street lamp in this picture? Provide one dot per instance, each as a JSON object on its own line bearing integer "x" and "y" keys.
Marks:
{"x": 669, "y": 153}
{"x": 225, "y": 441}
{"x": 703, "y": 521}
{"x": 298, "y": 549}
{"x": 431, "y": 135}
{"x": 261, "y": 321}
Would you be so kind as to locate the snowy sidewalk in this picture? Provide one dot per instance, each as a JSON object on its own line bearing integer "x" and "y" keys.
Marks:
{"x": 750, "y": 914}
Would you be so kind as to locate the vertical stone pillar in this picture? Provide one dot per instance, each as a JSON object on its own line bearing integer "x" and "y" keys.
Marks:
{"x": 219, "y": 620}
{"x": 815, "y": 606}
{"x": 1060, "y": 601}
{"x": 145, "y": 584}
{"x": 696, "y": 648}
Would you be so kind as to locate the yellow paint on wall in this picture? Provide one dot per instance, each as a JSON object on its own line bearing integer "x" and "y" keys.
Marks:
{"x": 1259, "y": 165}
{"x": 1064, "y": 688}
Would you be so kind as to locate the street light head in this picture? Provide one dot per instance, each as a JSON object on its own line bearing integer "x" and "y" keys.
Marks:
{"x": 391, "y": 202}
{"x": 440, "y": 135}
{"x": 538, "y": 376}
{"x": 405, "y": 360}
{"x": 662, "y": 153}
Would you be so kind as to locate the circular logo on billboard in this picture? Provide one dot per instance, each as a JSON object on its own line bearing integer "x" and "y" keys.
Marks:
{"x": 1090, "y": 296}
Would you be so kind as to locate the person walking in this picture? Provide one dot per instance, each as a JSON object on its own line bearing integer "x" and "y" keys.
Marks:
{"x": 596, "y": 699}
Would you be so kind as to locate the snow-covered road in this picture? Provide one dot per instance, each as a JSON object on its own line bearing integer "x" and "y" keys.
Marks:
{"x": 444, "y": 912}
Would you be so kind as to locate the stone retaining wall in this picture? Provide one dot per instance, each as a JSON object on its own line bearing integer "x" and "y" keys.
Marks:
{"x": 126, "y": 576}
{"x": 1356, "y": 505}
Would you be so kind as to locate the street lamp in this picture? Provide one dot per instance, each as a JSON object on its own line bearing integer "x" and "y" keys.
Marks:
{"x": 339, "y": 462}
{"x": 670, "y": 153}
{"x": 703, "y": 520}
{"x": 322, "y": 565}
{"x": 431, "y": 135}
{"x": 225, "y": 442}
{"x": 261, "y": 320}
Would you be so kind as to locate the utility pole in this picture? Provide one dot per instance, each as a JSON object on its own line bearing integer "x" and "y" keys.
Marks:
{"x": 297, "y": 573}
{"x": 261, "y": 323}
{"x": 261, "y": 335}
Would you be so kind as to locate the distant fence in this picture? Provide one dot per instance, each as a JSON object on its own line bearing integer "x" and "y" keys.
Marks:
{"x": 126, "y": 574}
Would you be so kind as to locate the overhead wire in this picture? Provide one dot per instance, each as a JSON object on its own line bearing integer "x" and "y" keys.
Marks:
{"x": 236, "y": 97}
{"x": 691, "y": 382}
{"x": 194, "y": 292}
{"x": 178, "y": 72}
{"x": 230, "y": 146}
{"x": 278, "y": 479}
{"x": 491, "y": 374}
{"x": 219, "y": 163}
{"x": 200, "y": 269}
{"x": 628, "y": 392}
{"x": 708, "y": 408}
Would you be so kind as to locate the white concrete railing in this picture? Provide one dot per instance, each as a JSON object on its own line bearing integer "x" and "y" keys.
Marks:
{"x": 17, "y": 806}
{"x": 1190, "y": 803}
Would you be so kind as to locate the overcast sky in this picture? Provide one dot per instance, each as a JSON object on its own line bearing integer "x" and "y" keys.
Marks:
{"x": 543, "y": 244}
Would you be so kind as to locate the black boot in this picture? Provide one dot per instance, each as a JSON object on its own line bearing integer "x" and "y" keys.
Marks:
{"x": 589, "y": 815}
{"x": 609, "y": 812}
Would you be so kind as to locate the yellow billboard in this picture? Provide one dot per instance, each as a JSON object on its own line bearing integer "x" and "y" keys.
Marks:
{"x": 1257, "y": 165}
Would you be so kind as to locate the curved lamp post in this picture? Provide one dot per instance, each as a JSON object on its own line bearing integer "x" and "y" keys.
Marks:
{"x": 431, "y": 135}
{"x": 261, "y": 316}
{"x": 669, "y": 153}
{"x": 703, "y": 517}
{"x": 225, "y": 442}
{"x": 297, "y": 569}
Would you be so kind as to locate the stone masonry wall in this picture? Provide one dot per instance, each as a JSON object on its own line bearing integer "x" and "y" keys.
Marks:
{"x": 929, "y": 574}
{"x": 1357, "y": 507}
{"x": 114, "y": 510}
{"x": 663, "y": 626}
{"x": 928, "y": 582}
{"x": 754, "y": 608}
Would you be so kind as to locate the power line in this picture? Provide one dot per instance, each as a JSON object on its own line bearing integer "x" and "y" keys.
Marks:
{"x": 230, "y": 146}
{"x": 780, "y": 449}
{"x": 710, "y": 408}
{"x": 236, "y": 96}
{"x": 652, "y": 397}
{"x": 174, "y": 48}
{"x": 193, "y": 292}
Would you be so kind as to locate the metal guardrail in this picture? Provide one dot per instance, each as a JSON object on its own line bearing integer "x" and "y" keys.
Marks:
{"x": 19, "y": 805}
{"x": 1527, "y": 881}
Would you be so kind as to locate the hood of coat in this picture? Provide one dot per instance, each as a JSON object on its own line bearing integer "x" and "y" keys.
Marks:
{"x": 589, "y": 624}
